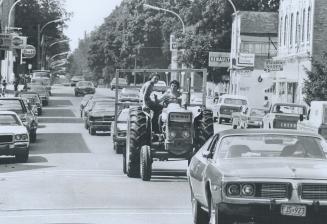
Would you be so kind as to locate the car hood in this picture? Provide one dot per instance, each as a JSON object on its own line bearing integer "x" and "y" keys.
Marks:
{"x": 13, "y": 129}
{"x": 284, "y": 168}
{"x": 102, "y": 113}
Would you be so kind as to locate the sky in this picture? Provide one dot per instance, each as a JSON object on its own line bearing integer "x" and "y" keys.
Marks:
{"x": 87, "y": 14}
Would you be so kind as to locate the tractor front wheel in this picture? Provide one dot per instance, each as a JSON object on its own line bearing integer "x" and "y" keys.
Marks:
{"x": 145, "y": 163}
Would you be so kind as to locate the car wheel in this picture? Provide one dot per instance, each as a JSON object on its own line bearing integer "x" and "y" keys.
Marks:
{"x": 145, "y": 163}
{"x": 76, "y": 94}
{"x": 92, "y": 131}
{"x": 86, "y": 125}
{"x": 124, "y": 161}
{"x": 234, "y": 126}
{"x": 220, "y": 120}
{"x": 46, "y": 103}
{"x": 33, "y": 136}
{"x": 22, "y": 156}
{"x": 39, "y": 111}
{"x": 199, "y": 215}
{"x": 216, "y": 217}
{"x": 117, "y": 148}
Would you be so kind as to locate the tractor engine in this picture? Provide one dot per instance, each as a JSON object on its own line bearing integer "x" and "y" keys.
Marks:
{"x": 178, "y": 132}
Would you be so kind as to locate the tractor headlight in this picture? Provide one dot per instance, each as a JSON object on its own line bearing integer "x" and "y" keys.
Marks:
{"x": 186, "y": 134}
{"x": 172, "y": 134}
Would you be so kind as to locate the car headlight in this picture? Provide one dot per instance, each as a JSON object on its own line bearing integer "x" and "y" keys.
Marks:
{"x": 172, "y": 134}
{"x": 21, "y": 137}
{"x": 247, "y": 190}
{"x": 186, "y": 134}
{"x": 233, "y": 190}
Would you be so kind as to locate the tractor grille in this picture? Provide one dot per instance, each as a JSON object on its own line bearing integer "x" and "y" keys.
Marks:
{"x": 6, "y": 139}
{"x": 274, "y": 190}
{"x": 314, "y": 191}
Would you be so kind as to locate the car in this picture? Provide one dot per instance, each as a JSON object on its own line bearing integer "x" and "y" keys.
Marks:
{"x": 84, "y": 87}
{"x": 227, "y": 104}
{"x": 119, "y": 137}
{"x": 41, "y": 74}
{"x": 249, "y": 117}
{"x": 33, "y": 98}
{"x": 284, "y": 116}
{"x": 43, "y": 93}
{"x": 259, "y": 176}
{"x": 101, "y": 117}
{"x": 316, "y": 120}
{"x": 14, "y": 137}
{"x": 129, "y": 94}
{"x": 75, "y": 79}
{"x": 91, "y": 103}
{"x": 43, "y": 82}
{"x": 17, "y": 105}
{"x": 160, "y": 86}
{"x": 121, "y": 83}
{"x": 84, "y": 102}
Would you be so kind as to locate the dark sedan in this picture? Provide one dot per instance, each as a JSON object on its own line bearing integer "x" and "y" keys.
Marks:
{"x": 34, "y": 99}
{"x": 260, "y": 176}
{"x": 101, "y": 117}
{"x": 84, "y": 87}
{"x": 43, "y": 93}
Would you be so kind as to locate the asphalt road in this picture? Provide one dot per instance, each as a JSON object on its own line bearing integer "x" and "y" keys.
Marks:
{"x": 72, "y": 177}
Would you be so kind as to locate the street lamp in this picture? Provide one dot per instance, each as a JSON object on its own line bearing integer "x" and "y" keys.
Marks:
{"x": 56, "y": 55}
{"x": 39, "y": 33}
{"x": 231, "y": 2}
{"x": 166, "y": 10}
{"x": 45, "y": 49}
{"x": 10, "y": 12}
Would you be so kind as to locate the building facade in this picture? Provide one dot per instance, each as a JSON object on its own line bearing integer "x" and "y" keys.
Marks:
{"x": 256, "y": 34}
{"x": 302, "y": 37}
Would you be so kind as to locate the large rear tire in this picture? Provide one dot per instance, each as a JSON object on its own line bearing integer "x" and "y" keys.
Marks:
{"x": 124, "y": 161}
{"x": 138, "y": 134}
{"x": 146, "y": 163}
{"x": 203, "y": 128}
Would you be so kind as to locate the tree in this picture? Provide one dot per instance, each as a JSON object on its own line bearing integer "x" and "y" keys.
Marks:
{"x": 316, "y": 82}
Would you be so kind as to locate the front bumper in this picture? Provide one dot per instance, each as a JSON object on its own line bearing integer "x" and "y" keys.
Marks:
{"x": 121, "y": 141}
{"x": 85, "y": 91}
{"x": 100, "y": 125}
{"x": 10, "y": 149}
{"x": 271, "y": 213}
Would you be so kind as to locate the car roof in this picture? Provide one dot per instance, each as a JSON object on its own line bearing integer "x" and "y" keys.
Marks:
{"x": 7, "y": 112}
{"x": 10, "y": 98}
{"x": 261, "y": 131}
{"x": 234, "y": 96}
{"x": 289, "y": 104}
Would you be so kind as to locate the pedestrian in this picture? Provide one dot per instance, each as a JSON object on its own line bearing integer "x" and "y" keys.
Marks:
{"x": 16, "y": 83}
{"x": 266, "y": 103}
{"x": 4, "y": 87}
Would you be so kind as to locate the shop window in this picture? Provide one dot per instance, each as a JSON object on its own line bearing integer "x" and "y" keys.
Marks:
{"x": 291, "y": 30}
{"x": 303, "y": 25}
{"x": 309, "y": 24}
{"x": 285, "y": 30}
{"x": 297, "y": 29}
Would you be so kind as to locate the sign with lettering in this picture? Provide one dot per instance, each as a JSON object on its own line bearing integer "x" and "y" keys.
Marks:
{"x": 245, "y": 60}
{"x": 273, "y": 65}
{"x": 219, "y": 59}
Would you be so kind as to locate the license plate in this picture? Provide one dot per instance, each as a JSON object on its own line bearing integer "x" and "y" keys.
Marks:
{"x": 294, "y": 210}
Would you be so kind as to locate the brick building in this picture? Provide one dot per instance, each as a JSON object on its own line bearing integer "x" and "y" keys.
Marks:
{"x": 302, "y": 35}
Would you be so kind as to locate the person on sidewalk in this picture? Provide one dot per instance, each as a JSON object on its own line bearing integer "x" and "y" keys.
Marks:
{"x": 4, "y": 87}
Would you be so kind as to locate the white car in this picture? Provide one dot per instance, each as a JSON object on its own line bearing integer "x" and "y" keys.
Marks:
{"x": 14, "y": 137}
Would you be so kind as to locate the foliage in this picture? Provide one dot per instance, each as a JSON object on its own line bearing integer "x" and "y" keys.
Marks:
{"x": 316, "y": 82}
{"x": 31, "y": 13}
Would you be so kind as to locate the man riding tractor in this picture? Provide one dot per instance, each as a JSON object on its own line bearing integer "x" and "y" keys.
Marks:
{"x": 178, "y": 134}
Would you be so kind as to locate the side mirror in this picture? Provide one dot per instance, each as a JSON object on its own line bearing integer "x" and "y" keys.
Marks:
{"x": 301, "y": 117}
{"x": 207, "y": 154}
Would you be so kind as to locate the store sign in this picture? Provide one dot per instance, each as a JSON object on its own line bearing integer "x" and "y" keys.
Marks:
{"x": 173, "y": 43}
{"x": 18, "y": 42}
{"x": 12, "y": 41}
{"x": 273, "y": 65}
{"x": 219, "y": 59}
{"x": 29, "y": 51}
{"x": 5, "y": 41}
{"x": 246, "y": 60}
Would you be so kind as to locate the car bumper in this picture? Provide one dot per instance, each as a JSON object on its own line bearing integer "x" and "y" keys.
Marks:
{"x": 100, "y": 126}
{"x": 271, "y": 212}
{"x": 11, "y": 149}
{"x": 85, "y": 91}
{"x": 224, "y": 116}
{"x": 120, "y": 140}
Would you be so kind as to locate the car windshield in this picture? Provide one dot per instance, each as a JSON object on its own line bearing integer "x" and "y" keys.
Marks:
{"x": 130, "y": 92}
{"x": 9, "y": 120}
{"x": 270, "y": 146}
{"x": 235, "y": 101}
{"x": 108, "y": 106}
{"x": 41, "y": 74}
{"x": 289, "y": 109}
{"x": 11, "y": 105}
{"x": 38, "y": 88}
{"x": 257, "y": 112}
{"x": 40, "y": 81}
{"x": 120, "y": 81}
{"x": 123, "y": 116}
{"x": 84, "y": 84}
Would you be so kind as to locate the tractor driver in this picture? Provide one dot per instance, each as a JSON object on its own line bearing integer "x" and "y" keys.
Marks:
{"x": 172, "y": 94}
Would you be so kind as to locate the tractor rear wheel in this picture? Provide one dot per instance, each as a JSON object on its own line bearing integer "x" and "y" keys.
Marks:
{"x": 138, "y": 135}
{"x": 145, "y": 163}
{"x": 203, "y": 125}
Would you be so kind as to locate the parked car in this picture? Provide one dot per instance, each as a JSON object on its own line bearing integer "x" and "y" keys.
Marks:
{"x": 43, "y": 82}
{"x": 121, "y": 83}
{"x": 75, "y": 79}
{"x": 14, "y": 137}
{"x": 259, "y": 176}
{"x": 249, "y": 117}
{"x": 33, "y": 98}
{"x": 84, "y": 87}
{"x": 284, "y": 116}
{"x": 43, "y": 93}
{"x": 129, "y": 94}
{"x": 17, "y": 105}
{"x": 101, "y": 117}
{"x": 119, "y": 137}
{"x": 227, "y": 104}
{"x": 41, "y": 74}
{"x": 316, "y": 120}
{"x": 84, "y": 102}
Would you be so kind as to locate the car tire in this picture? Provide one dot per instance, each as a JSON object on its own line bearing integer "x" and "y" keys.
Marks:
{"x": 216, "y": 217}
{"x": 46, "y": 103}
{"x": 92, "y": 131}
{"x": 199, "y": 215}
{"x": 138, "y": 134}
{"x": 234, "y": 126}
{"x": 33, "y": 136}
{"x": 22, "y": 156}
{"x": 86, "y": 126}
{"x": 76, "y": 94}
{"x": 145, "y": 163}
{"x": 203, "y": 126}
{"x": 118, "y": 149}
{"x": 124, "y": 161}
{"x": 220, "y": 121}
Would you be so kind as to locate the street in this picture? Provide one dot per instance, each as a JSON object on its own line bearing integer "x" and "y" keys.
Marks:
{"x": 73, "y": 177}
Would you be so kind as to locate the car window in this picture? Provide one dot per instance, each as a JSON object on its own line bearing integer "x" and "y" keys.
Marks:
{"x": 104, "y": 106}
{"x": 270, "y": 146}
{"x": 12, "y": 105}
{"x": 257, "y": 112}
{"x": 9, "y": 120}
{"x": 235, "y": 101}
{"x": 288, "y": 109}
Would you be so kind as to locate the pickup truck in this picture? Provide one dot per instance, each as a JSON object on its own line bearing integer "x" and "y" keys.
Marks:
{"x": 248, "y": 117}
{"x": 316, "y": 121}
